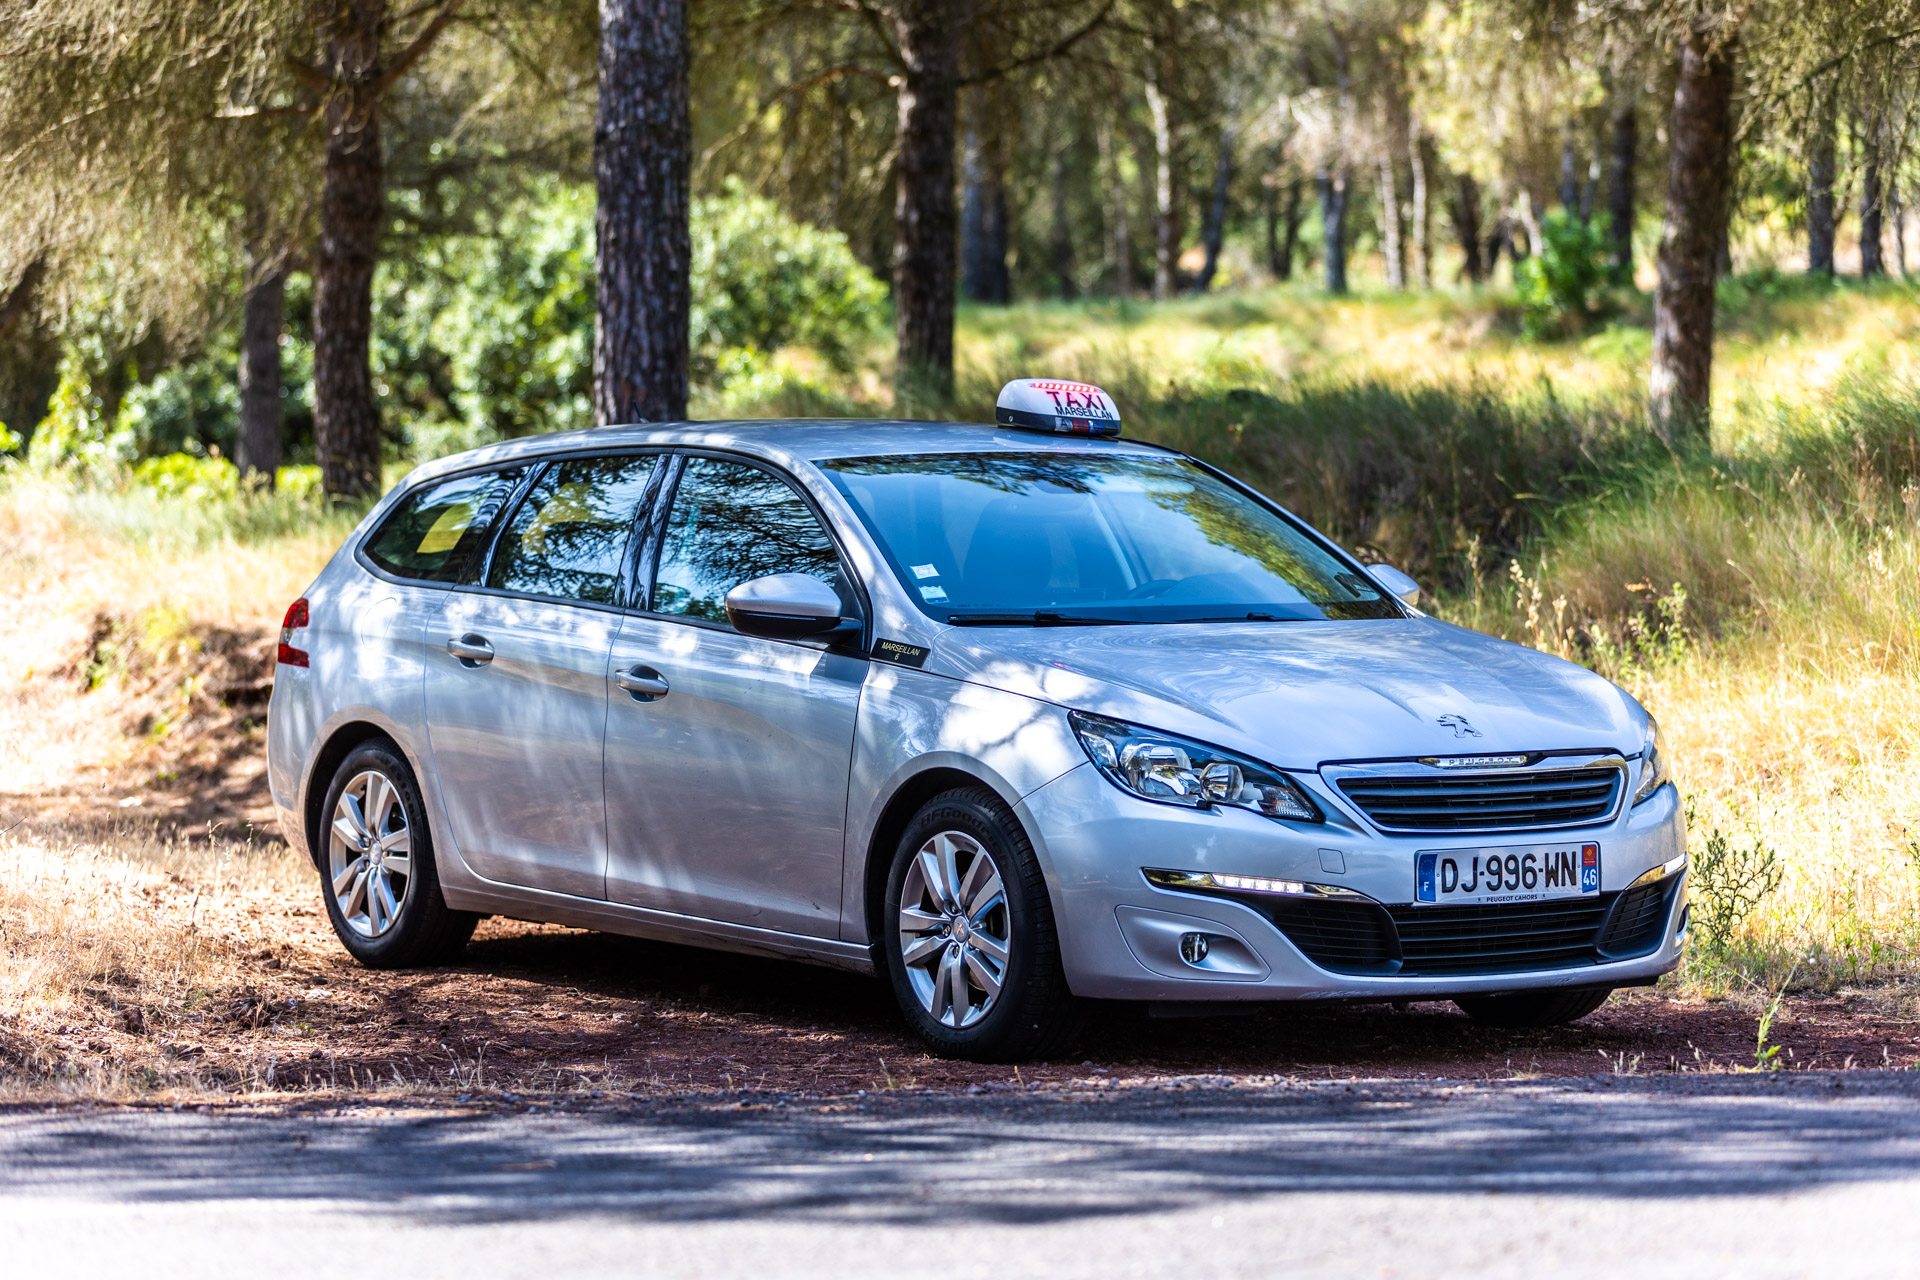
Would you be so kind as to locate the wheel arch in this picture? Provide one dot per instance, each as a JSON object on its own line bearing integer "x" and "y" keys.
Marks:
{"x": 906, "y": 800}
{"x": 339, "y": 744}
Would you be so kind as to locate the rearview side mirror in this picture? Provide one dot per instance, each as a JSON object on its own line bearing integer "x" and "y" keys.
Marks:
{"x": 784, "y": 606}
{"x": 1396, "y": 583}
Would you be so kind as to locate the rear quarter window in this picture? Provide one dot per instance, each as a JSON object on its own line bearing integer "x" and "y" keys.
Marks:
{"x": 438, "y": 532}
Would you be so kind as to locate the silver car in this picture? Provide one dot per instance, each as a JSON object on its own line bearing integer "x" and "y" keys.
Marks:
{"x": 1019, "y": 717}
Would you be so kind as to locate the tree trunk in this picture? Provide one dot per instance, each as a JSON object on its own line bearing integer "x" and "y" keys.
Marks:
{"x": 1420, "y": 209}
{"x": 1570, "y": 170}
{"x": 1290, "y": 239}
{"x": 1333, "y": 228}
{"x": 1897, "y": 228}
{"x": 983, "y": 214}
{"x": 1122, "y": 224}
{"x": 1626, "y": 146}
{"x": 928, "y": 32}
{"x": 1216, "y": 229}
{"x": 1466, "y": 228}
{"x": 1392, "y": 247}
{"x": 643, "y": 249}
{"x": 1062, "y": 231}
{"x": 1820, "y": 174}
{"x": 1166, "y": 234}
{"x": 346, "y": 418}
{"x": 1872, "y": 215}
{"x": 19, "y": 299}
{"x": 1701, "y": 129}
{"x": 257, "y": 452}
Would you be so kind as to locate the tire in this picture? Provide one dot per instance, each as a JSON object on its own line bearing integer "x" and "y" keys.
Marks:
{"x": 1534, "y": 1008}
{"x": 386, "y": 799}
{"x": 1032, "y": 1014}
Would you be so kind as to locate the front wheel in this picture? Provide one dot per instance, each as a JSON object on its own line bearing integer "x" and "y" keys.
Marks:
{"x": 969, "y": 936}
{"x": 1534, "y": 1008}
{"x": 378, "y": 877}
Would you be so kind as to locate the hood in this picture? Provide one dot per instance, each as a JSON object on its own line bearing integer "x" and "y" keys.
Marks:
{"x": 1300, "y": 694}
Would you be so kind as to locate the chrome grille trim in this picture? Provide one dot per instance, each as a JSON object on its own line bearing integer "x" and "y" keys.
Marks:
{"x": 1553, "y": 793}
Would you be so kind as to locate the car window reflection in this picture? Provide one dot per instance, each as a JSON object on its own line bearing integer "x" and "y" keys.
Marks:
{"x": 569, "y": 536}
{"x": 731, "y": 523}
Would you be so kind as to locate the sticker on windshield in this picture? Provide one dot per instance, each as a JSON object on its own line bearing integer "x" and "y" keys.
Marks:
{"x": 934, "y": 595}
{"x": 925, "y": 571}
{"x": 907, "y": 655}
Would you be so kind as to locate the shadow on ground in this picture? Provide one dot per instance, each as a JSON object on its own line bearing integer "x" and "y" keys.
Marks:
{"x": 1003, "y": 1158}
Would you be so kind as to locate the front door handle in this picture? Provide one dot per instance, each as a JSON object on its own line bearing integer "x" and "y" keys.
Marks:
{"x": 644, "y": 683}
{"x": 472, "y": 650}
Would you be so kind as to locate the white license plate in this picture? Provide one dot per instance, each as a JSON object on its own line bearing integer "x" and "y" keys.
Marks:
{"x": 1518, "y": 873}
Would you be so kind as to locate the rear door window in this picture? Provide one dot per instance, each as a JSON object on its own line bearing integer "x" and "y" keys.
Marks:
{"x": 569, "y": 537}
{"x": 439, "y": 532}
{"x": 731, "y": 523}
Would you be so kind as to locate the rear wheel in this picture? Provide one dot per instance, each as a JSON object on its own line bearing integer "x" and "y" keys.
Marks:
{"x": 969, "y": 937}
{"x": 1534, "y": 1008}
{"x": 377, "y": 873}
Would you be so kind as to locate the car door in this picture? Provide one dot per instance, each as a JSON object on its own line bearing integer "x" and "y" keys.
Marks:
{"x": 727, "y": 755}
{"x": 516, "y": 688}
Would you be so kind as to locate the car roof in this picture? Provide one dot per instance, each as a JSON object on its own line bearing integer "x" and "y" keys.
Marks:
{"x": 792, "y": 440}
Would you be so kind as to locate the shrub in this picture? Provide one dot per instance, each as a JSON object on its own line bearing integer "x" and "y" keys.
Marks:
{"x": 182, "y": 475}
{"x": 762, "y": 281}
{"x": 1557, "y": 285}
{"x": 1729, "y": 883}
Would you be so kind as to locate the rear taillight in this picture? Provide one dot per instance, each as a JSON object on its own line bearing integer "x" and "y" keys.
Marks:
{"x": 295, "y": 620}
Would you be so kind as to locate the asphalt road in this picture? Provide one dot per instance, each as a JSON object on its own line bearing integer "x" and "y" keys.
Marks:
{"x": 1687, "y": 1177}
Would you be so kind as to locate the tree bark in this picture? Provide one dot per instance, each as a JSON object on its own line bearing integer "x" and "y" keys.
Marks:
{"x": 928, "y": 34}
{"x": 1570, "y": 170}
{"x": 1820, "y": 174}
{"x": 1872, "y": 221}
{"x": 19, "y": 299}
{"x": 1392, "y": 247}
{"x": 1420, "y": 208}
{"x": 1701, "y": 129}
{"x": 346, "y": 417}
{"x": 643, "y": 249}
{"x": 1118, "y": 215}
{"x": 1214, "y": 236}
{"x": 983, "y": 215}
{"x": 1333, "y": 228}
{"x": 1062, "y": 231}
{"x": 1290, "y": 239}
{"x": 1166, "y": 233}
{"x": 257, "y": 451}
{"x": 1466, "y": 228}
{"x": 1620, "y": 163}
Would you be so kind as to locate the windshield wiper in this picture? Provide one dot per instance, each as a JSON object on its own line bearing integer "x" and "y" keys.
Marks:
{"x": 1234, "y": 617}
{"x": 1038, "y": 618}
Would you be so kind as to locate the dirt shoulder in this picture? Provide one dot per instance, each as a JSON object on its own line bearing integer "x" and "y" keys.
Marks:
{"x": 197, "y": 964}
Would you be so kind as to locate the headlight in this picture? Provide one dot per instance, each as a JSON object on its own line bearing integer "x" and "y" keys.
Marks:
{"x": 1179, "y": 771}
{"x": 1653, "y": 765}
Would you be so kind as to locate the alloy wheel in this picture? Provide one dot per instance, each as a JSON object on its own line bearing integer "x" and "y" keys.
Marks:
{"x": 370, "y": 854}
{"x": 954, "y": 929}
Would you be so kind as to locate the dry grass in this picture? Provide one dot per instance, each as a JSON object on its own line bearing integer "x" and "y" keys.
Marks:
{"x": 121, "y": 947}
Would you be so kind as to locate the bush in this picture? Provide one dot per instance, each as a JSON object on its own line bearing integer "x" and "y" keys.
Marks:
{"x": 182, "y": 475}
{"x": 1557, "y": 285}
{"x": 762, "y": 281}
{"x": 1729, "y": 883}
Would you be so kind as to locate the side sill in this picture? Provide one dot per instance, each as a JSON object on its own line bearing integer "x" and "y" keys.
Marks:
{"x": 659, "y": 926}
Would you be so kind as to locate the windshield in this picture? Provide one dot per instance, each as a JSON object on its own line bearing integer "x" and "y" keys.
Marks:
{"x": 985, "y": 538}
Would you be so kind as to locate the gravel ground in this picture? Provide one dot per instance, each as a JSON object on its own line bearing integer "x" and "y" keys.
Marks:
{"x": 1679, "y": 1176}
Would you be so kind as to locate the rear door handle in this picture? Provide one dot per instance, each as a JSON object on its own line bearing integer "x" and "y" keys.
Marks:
{"x": 644, "y": 683}
{"x": 472, "y": 650}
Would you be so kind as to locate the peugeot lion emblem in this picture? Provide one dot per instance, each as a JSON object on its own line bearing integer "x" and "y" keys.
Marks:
{"x": 1459, "y": 725}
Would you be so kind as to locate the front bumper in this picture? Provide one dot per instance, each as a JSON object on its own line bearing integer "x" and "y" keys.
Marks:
{"x": 1120, "y": 937}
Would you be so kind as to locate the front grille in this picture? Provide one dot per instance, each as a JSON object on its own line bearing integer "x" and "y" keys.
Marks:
{"x": 1368, "y": 938}
{"x": 1531, "y": 798}
{"x": 1508, "y": 935}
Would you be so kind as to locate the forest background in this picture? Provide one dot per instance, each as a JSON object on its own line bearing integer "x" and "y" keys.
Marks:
{"x": 1594, "y": 314}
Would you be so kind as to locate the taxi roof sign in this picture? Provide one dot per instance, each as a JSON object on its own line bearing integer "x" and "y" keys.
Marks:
{"x": 1065, "y": 408}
